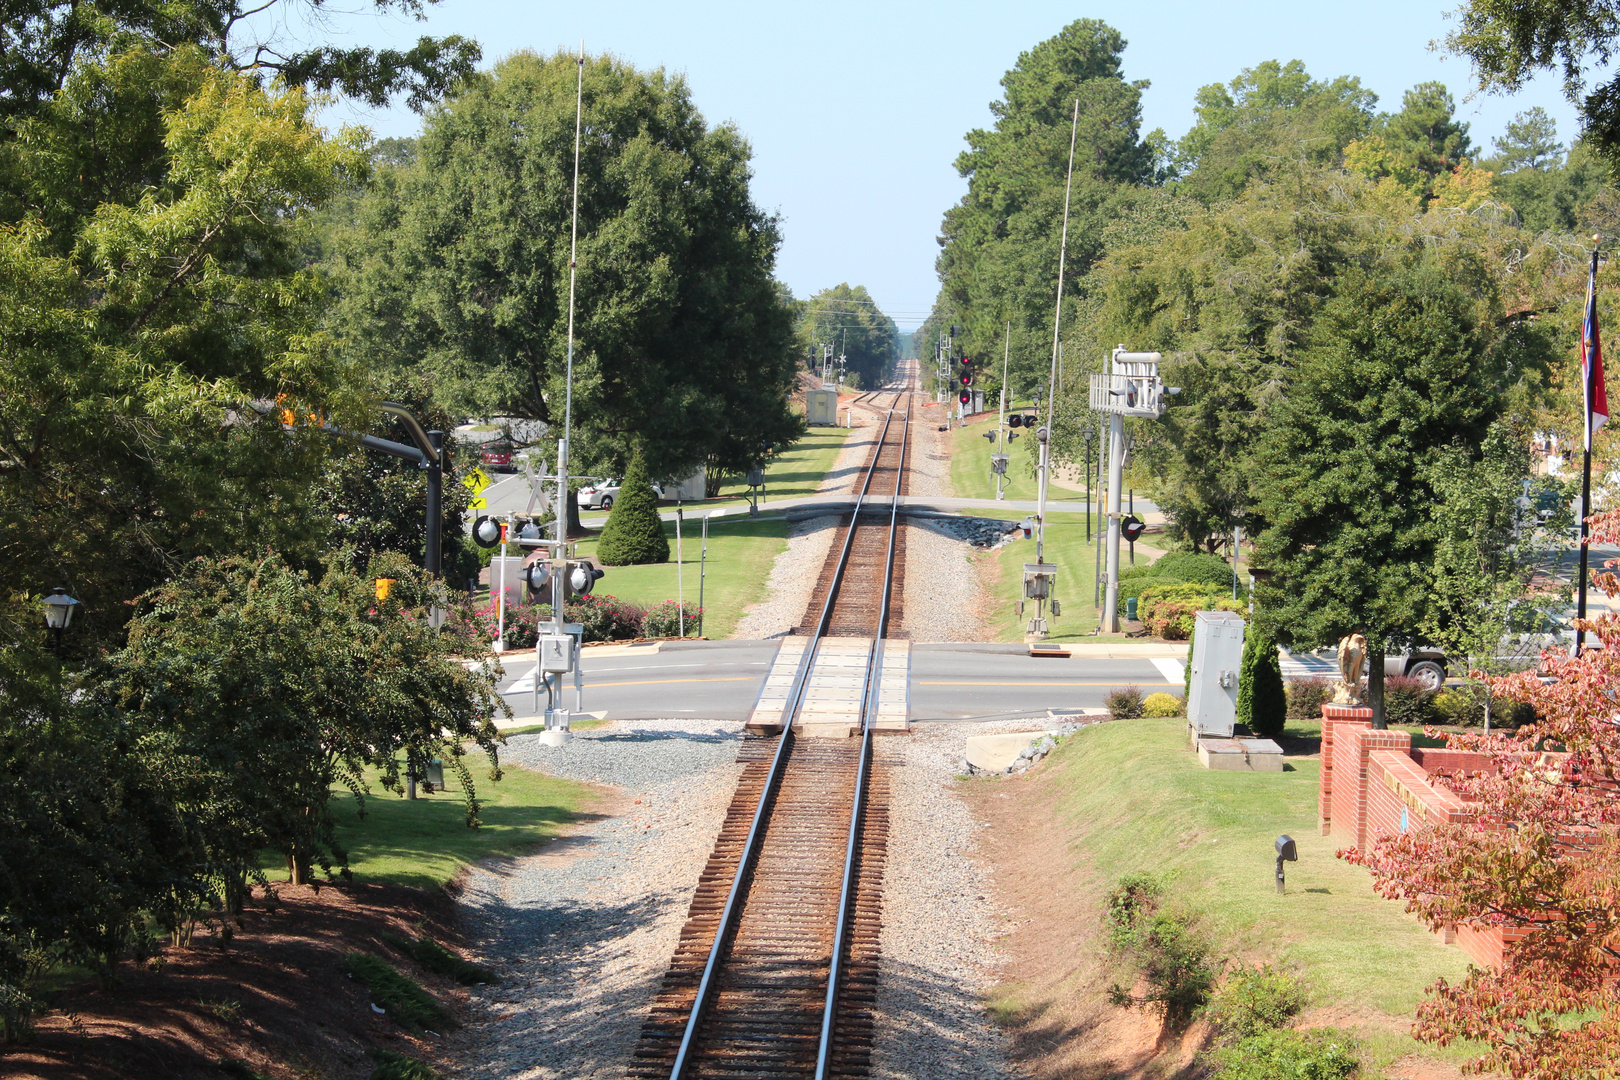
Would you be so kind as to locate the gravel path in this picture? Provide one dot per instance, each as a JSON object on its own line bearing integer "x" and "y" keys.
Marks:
{"x": 940, "y": 921}
{"x": 583, "y": 931}
{"x": 945, "y": 603}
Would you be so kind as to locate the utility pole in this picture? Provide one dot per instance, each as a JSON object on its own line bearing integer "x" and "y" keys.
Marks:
{"x": 1001, "y": 413}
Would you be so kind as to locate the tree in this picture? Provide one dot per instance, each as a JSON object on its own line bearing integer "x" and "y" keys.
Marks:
{"x": 251, "y": 689}
{"x": 634, "y": 534}
{"x": 1509, "y": 43}
{"x": 47, "y": 42}
{"x": 153, "y": 293}
{"x": 1262, "y": 703}
{"x": 1404, "y": 364}
{"x": 850, "y": 321}
{"x": 1548, "y": 189}
{"x": 458, "y": 263}
{"x": 999, "y": 257}
{"x": 1539, "y": 856}
{"x": 1270, "y": 114}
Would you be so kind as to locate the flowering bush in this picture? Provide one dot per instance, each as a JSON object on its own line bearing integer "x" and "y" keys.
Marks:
{"x": 665, "y": 620}
{"x": 1162, "y": 704}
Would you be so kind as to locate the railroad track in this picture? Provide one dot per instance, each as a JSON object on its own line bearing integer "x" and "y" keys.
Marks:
{"x": 776, "y": 971}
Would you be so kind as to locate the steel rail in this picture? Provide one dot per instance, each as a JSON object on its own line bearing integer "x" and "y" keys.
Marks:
{"x": 868, "y": 708}
{"x": 750, "y": 849}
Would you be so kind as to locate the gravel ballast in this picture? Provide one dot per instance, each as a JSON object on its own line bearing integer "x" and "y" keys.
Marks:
{"x": 583, "y": 931}
{"x": 940, "y": 921}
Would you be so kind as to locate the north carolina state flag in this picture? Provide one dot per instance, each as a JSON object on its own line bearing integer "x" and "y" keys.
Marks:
{"x": 1597, "y": 398}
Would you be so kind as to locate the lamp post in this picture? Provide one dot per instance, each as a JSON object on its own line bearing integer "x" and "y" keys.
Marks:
{"x": 58, "y": 613}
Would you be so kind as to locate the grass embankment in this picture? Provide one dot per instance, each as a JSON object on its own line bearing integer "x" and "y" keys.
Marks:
{"x": 1129, "y": 797}
{"x": 741, "y": 553}
{"x": 970, "y": 464}
{"x": 425, "y": 842}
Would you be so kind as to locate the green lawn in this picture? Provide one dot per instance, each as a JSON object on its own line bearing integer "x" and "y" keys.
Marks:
{"x": 1066, "y": 546}
{"x": 741, "y": 552}
{"x": 425, "y": 842}
{"x": 1136, "y": 799}
{"x": 970, "y": 465}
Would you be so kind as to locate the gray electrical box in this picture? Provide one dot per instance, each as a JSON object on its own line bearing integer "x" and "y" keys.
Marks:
{"x": 1217, "y": 658}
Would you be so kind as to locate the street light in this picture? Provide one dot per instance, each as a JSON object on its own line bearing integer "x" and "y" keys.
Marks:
{"x": 58, "y": 613}
{"x": 1088, "y": 434}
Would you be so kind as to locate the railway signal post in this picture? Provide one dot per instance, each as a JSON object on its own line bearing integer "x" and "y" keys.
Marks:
{"x": 1131, "y": 387}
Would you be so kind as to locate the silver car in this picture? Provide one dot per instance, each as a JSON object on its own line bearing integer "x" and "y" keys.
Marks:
{"x": 601, "y": 494}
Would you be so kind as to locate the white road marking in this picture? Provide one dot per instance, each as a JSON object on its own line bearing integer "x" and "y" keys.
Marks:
{"x": 1172, "y": 670}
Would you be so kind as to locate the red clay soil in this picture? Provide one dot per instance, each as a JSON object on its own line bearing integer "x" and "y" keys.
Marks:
{"x": 276, "y": 1000}
{"x": 1057, "y": 973}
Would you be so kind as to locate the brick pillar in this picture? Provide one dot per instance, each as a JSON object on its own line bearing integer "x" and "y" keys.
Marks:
{"x": 1352, "y": 744}
{"x": 1334, "y": 716}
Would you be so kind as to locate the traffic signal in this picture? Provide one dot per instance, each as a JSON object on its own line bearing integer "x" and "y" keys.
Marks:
{"x": 1132, "y": 528}
{"x": 487, "y": 532}
{"x": 1015, "y": 420}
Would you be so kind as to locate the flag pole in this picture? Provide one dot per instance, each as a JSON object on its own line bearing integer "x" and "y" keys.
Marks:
{"x": 1593, "y": 357}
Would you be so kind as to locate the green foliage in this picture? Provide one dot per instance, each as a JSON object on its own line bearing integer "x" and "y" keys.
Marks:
{"x": 1170, "y": 610}
{"x": 1252, "y": 1000}
{"x": 1194, "y": 566}
{"x": 457, "y": 261}
{"x": 1262, "y": 704}
{"x": 850, "y": 321}
{"x": 1167, "y": 947}
{"x": 1269, "y": 115}
{"x": 392, "y": 1066}
{"x": 1000, "y": 243}
{"x": 1407, "y": 701}
{"x": 634, "y": 534}
{"x": 407, "y": 1003}
{"x": 441, "y": 961}
{"x": 1284, "y": 1054}
{"x": 1162, "y": 704}
{"x": 665, "y": 620}
{"x": 1374, "y": 403}
{"x": 251, "y": 690}
{"x": 1307, "y": 696}
{"x": 1124, "y": 703}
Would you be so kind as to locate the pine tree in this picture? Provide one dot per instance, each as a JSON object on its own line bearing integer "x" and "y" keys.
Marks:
{"x": 1262, "y": 704}
{"x": 633, "y": 534}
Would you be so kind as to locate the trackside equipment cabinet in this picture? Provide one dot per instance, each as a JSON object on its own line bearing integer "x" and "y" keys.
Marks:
{"x": 1217, "y": 659}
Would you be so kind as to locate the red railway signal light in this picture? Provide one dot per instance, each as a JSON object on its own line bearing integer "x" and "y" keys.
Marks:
{"x": 964, "y": 397}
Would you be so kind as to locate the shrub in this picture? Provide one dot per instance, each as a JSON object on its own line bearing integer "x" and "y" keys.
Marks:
{"x": 1169, "y": 609}
{"x": 1135, "y": 587}
{"x": 1162, "y": 704}
{"x": 1254, "y": 999}
{"x": 1284, "y": 1054}
{"x": 665, "y": 620}
{"x": 392, "y": 1066}
{"x": 1307, "y": 696}
{"x": 1407, "y": 701}
{"x": 1465, "y": 706}
{"x": 441, "y": 961}
{"x": 407, "y": 1003}
{"x": 1262, "y": 704}
{"x": 606, "y": 618}
{"x": 1124, "y": 703}
{"x": 1186, "y": 669}
{"x": 633, "y": 534}
{"x": 466, "y": 625}
{"x": 1194, "y": 566}
{"x": 1167, "y": 948}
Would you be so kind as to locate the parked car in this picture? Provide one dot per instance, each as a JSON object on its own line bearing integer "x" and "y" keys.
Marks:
{"x": 498, "y": 457}
{"x": 601, "y": 495}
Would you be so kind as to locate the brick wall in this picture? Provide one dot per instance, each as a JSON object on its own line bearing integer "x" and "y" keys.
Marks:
{"x": 1352, "y": 745}
{"x": 1401, "y": 797}
{"x": 1433, "y": 760}
{"x": 1332, "y": 717}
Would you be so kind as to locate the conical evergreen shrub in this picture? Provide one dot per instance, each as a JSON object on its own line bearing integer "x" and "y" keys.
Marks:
{"x": 633, "y": 534}
{"x": 1262, "y": 703}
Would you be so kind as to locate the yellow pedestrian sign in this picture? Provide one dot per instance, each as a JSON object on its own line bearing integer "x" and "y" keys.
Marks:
{"x": 476, "y": 481}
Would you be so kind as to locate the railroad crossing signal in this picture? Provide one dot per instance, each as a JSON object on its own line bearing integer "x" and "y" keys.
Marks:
{"x": 1015, "y": 420}
{"x": 487, "y": 532}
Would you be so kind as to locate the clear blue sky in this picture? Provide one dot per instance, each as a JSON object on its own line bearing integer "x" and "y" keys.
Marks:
{"x": 857, "y": 110}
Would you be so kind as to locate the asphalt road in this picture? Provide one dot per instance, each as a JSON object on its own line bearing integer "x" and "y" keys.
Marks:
{"x": 721, "y": 680}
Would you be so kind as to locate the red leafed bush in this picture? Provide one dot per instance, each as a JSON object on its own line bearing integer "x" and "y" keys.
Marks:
{"x": 1542, "y": 857}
